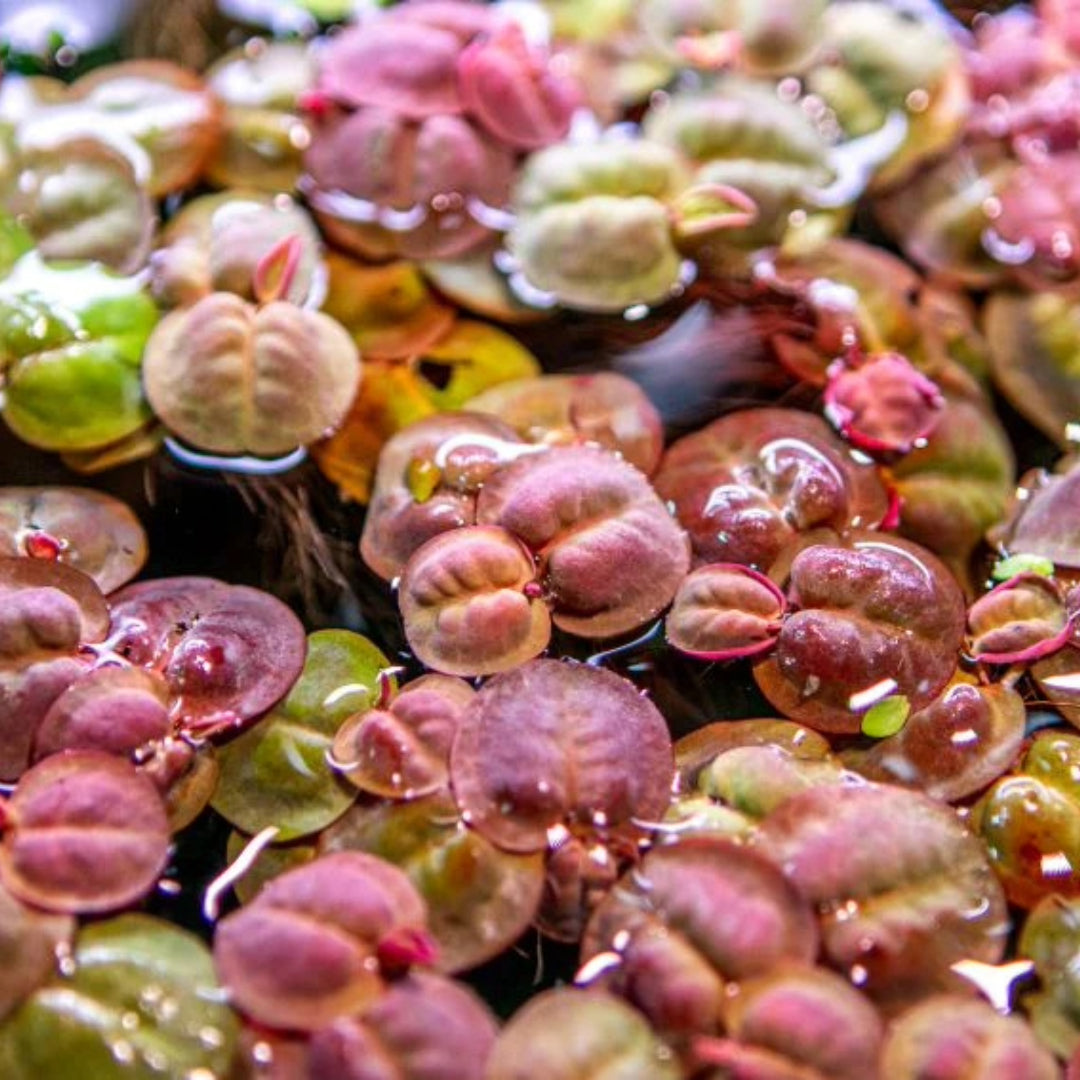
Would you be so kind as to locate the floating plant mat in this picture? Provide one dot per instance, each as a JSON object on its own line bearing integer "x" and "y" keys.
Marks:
{"x": 476, "y": 572}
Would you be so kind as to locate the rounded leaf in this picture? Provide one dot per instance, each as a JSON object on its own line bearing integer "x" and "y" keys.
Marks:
{"x": 903, "y": 890}
{"x": 804, "y": 1022}
{"x": 471, "y": 604}
{"x": 168, "y": 111}
{"x": 535, "y": 102}
{"x": 567, "y": 1034}
{"x": 118, "y": 710}
{"x": 87, "y": 834}
{"x": 277, "y": 772}
{"x": 723, "y": 611}
{"x": 747, "y": 484}
{"x": 693, "y": 916}
{"x": 140, "y": 999}
{"x": 402, "y": 750}
{"x": 954, "y": 747}
{"x": 610, "y": 554}
{"x": 425, "y": 1027}
{"x": 957, "y": 1037}
{"x": 305, "y": 950}
{"x": 875, "y": 617}
{"x": 87, "y": 529}
{"x": 232, "y": 379}
{"x": 427, "y": 481}
{"x": 1019, "y": 621}
{"x": 554, "y": 743}
{"x": 604, "y": 408}
{"x": 227, "y": 652}
{"x": 883, "y": 405}
{"x": 1030, "y": 821}
{"x": 1033, "y": 357}
{"x": 30, "y": 942}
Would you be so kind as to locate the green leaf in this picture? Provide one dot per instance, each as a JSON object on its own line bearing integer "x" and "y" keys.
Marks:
{"x": 1022, "y": 563}
{"x": 142, "y": 1003}
{"x": 887, "y": 717}
{"x": 276, "y": 773}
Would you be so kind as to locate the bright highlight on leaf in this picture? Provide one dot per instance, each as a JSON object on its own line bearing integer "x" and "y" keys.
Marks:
{"x": 887, "y": 717}
{"x": 1023, "y": 563}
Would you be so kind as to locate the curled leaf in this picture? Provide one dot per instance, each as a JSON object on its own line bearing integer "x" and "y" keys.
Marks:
{"x": 470, "y": 602}
{"x": 589, "y": 518}
{"x": 723, "y": 611}
{"x": 883, "y": 405}
{"x": 1019, "y": 621}
{"x": 401, "y": 750}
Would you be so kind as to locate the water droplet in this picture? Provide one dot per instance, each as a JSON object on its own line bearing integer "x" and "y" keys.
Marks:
{"x": 858, "y": 975}
{"x": 1002, "y": 251}
{"x": 123, "y": 1052}
{"x": 262, "y": 1053}
{"x": 130, "y": 1021}
{"x": 788, "y": 89}
{"x": 65, "y": 960}
{"x": 917, "y": 101}
{"x": 636, "y": 312}
{"x": 211, "y": 1037}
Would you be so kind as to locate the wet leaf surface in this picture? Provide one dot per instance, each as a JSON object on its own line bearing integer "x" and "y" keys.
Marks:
{"x": 694, "y": 916}
{"x": 277, "y": 772}
{"x": 30, "y": 944}
{"x": 427, "y": 483}
{"x": 401, "y": 749}
{"x": 471, "y": 604}
{"x": 954, "y": 747}
{"x": 902, "y": 889}
{"x": 745, "y": 485}
{"x": 1030, "y": 821}
{"x": 140, "y": 1000}
{"x": 87, "y": 529}
{"x": 227, "y": 652}
{"x": 796, "y": 1022}
{"x": 872, "y": 617}
{"x": 954, "y": 1037}
{"x": 604, "y": 408}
